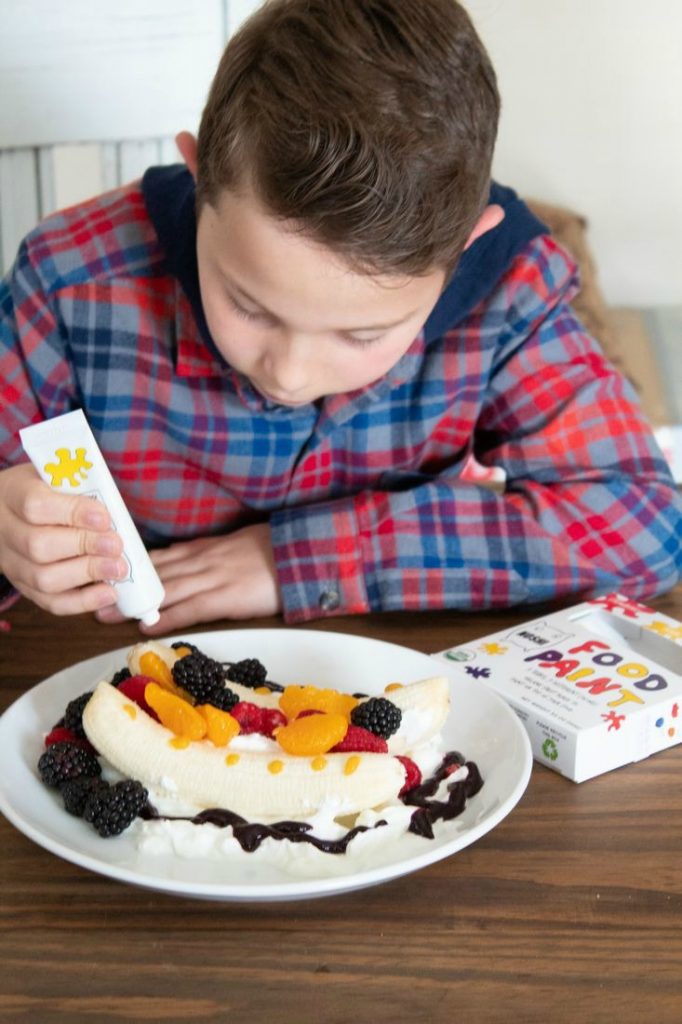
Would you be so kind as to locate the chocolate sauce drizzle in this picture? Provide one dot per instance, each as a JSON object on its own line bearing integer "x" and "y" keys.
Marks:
{"x": 250, "y": 835}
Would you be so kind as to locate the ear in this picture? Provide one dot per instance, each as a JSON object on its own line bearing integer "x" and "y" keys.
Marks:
{"x": 489, "y": 219}
{"x": 187, "y": 146}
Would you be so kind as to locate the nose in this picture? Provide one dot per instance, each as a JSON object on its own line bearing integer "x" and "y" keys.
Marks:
{"x": 287, "y": 365}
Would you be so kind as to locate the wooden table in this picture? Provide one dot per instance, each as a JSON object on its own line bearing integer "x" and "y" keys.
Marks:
{"x": 569, "y": 910}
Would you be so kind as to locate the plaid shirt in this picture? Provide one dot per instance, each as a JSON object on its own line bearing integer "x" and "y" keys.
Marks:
{"x": 367, "y": 494}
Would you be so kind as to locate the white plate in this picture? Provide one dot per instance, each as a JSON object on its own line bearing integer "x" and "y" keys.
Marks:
{"x": 480, "y": 725}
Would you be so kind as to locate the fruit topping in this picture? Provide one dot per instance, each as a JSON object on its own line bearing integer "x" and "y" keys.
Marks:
{"x": 253, "y": 718}
{"x": 249, "y": 672}
{"x": 221, "y": 727}
{"x": 313, "y": 735}
{"x": 413, "y": 776}
{"x": 133, "y": 688}
{"x": 118, "y": 677}
{"x": 58, "y": 734}
{"x": 272, "y": 719}
{"x": 224, "y": 699}
{"x": 63, "y": 761}
{"x": 75, "y": 794}
{"x": 175, "y": 714}
{"x": 379, "y": 715}
{"x": 200, "y": 676}
{"x": 183, "y": 647}
{"x": 359, "y": 739}
{"x": 296, "y": 699}
{"x": 111, "y": 809}
{"x": 73, "y": 716}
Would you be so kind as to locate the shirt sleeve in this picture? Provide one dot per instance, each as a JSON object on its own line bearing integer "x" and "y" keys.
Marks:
{"x": 588, "y": 505}
{"x": 36, "y": 379}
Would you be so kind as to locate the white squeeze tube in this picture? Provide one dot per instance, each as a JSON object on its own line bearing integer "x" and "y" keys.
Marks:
{"x": 68, "y": 458}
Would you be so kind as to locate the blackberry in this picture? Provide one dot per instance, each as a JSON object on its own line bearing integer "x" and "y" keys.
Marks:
{"x": 248, "y": 672}
{"x": 380, "y": 716}
{"x": 112, "y": 809}
{"x": 73, "y": 716}
{"x": 184, "y": 643}
{"x": 120, "y": 676}
{"x": 224, "y": 699}
{"x": 75, "y": 794}
{"x": 200, "y": 675}
{"x": 64, "y": 761}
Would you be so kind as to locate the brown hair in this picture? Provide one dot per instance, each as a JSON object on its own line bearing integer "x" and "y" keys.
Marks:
{"x": 369, "y": 124}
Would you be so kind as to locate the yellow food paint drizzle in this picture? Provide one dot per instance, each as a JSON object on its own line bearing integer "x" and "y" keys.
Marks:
{"x": 351, "y": 765}
{"x": 275, "y": 767}
{"x": 262, "y": 689}
{"x": 232, "y": 759}
{"x": 393, "y": 686}
{"x": 179, "y": 742}
{"x": 318, "y": 763}
{"x": 131, "y": 710}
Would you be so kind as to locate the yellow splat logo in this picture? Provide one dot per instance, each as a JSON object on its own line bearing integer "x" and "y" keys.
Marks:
{"x": 69, "y": 467}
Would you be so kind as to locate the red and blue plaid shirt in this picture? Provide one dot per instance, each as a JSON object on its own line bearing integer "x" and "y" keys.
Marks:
{"x": 367, "y": 496}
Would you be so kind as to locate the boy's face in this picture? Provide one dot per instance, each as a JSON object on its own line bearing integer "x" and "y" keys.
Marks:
{"x": 291, "y": 316}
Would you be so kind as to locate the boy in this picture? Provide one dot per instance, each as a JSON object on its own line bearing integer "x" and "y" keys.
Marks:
{"x": 288, "y": 367}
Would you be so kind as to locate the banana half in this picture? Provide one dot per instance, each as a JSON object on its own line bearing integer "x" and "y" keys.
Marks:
{"x": 261, "y": 785}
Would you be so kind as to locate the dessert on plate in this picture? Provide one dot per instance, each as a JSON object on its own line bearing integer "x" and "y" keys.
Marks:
{"x": 177, "y": 740}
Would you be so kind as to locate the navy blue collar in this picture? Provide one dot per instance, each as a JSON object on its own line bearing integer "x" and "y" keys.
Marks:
{"x": 169, "y": 198}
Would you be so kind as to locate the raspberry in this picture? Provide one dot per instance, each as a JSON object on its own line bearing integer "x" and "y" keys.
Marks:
{"x": 413, "y": 776}
{"x": 63, "y": 762}
{"x": 224, "y": 699}
{"x": 249, "y": 672}
{"x": 112, "y": 809}
{"x": 272, "y": 719}
{"x": 380, "y": 716}
{"x": 133, "y": 688}
{"x": 75, "y": 794}
{"x": 58, "y": 734}
{"x": 200, "y": 676}
{"x": 249, "y": 716}
{"x": 360, "y": 740}
{"x": 73, "y": 716}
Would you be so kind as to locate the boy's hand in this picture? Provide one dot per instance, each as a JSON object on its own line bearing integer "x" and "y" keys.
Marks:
{"x": 56, "y": 549}
{"x": 229, "y": 577}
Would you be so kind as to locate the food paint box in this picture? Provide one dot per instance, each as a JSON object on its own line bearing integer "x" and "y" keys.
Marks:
{"x": 597, "y": 685}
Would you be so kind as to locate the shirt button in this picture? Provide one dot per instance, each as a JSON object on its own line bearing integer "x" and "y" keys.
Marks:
{"x": 329, "y": 600}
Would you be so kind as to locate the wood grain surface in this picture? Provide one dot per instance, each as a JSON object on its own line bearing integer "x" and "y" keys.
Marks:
{"x": 569, "y": 910}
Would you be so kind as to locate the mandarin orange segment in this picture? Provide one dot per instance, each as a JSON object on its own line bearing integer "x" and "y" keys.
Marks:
{"x": 221, "y": 727}
{"x": 176, "y": 714}
{"x": 296, "y": 699}
{"x": 156, "y": 668}
{"x": 313, "y": 735}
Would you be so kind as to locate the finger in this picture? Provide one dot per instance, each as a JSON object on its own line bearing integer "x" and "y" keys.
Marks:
{"x": 58, "y": 577}
{"x": 205, "y": 607}
{"x": 40, "y": 505}
{"x": 109, "y": 614}
{"x": 56, "y": 543}
{"x": 174, "y": 553}
{"x": 73, "y": 602}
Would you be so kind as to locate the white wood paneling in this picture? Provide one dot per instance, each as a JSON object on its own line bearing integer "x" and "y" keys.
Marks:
{"x": 20, "y": 193}
{"x": 89, "y": 70}
{"x": 77, "y": 174}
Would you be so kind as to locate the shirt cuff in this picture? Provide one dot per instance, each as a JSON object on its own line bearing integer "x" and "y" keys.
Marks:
{"x": 319, "y": 561}
{"x": 8, "y": 595}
